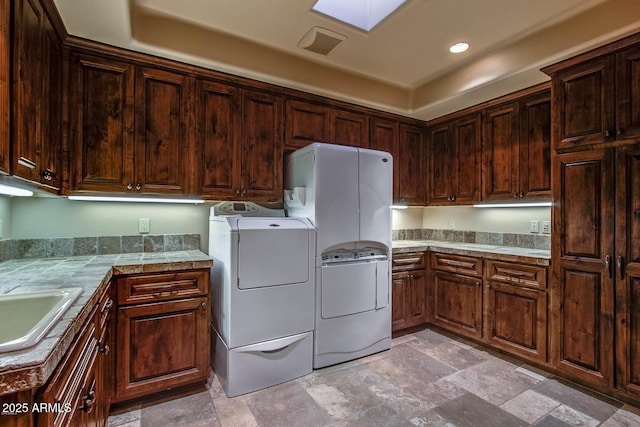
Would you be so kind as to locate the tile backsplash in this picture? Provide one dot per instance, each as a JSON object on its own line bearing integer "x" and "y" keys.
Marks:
{"x": 530, "y": 241}
{"x": 100, "y": 245}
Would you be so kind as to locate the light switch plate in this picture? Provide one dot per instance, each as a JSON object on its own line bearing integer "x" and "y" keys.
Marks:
{"x": 144, "y": 226}
{"x": 546, "y": 227}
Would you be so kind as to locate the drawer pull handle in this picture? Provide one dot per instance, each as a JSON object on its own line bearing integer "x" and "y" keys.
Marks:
{"x": 405, "y": 261}
{"x": 456, "y": 263}
{"x": 89, "y": 401}
{"x": 107, "y": 305}
{"x": 104, "y": 350}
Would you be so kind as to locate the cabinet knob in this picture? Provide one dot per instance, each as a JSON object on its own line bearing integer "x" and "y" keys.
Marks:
{"x": 129, "y": 186}
{"x": 238, "y": 191}
{"x": 453, "y": 198}
{"x": 244, "y": 191}
{"x": 104, "y": 350}
{"x": 515, "y": 195}
{"x": 608, "y": 133}
{"x": 138, "y": 187}
{"x": 521, "y": 194}
{"x": 620, "y": 131}
{"x": 48, "y": 174}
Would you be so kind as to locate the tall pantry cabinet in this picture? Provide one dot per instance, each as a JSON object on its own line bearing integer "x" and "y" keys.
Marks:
{"x": 596, "y": 217}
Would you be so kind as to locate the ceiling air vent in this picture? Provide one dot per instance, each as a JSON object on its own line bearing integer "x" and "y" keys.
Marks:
{"x": 321, "y": 40}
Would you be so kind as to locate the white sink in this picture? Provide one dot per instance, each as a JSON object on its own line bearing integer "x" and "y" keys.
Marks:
{"x": 25, "y": 318}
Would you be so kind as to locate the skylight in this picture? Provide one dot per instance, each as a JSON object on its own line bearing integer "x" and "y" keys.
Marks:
{"x": 364, "y": 14}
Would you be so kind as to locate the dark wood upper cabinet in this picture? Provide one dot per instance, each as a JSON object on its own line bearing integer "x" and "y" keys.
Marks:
{"x": 596, "y": 100}
{"x": 454, "y": 167}
{"x": 306, "y": 123}
{"x": 217, "y": 139}
{"x": 160, "y": 143}
{"x": 261, "y": 150}
{"x": 411, "y": 166}
{"x": 5, "y": 85}
{"x": 102, "y": 120}
{"x": 239, "y": 143}
{"x": 384, "y": 135}
{"x": 349, "y": 128}
{"x": 535, "y": 146}
{"x": 516, "y": 149}
{"x": 37, "y": 96}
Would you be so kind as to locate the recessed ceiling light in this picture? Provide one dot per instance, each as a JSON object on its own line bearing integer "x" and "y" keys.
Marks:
{"x": 459, "y": 47}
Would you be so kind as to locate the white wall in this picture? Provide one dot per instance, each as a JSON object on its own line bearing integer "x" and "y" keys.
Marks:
{"x": 506, "y": 220}
{"x": 58, "y": 217}
{"x": 5, "y": 217}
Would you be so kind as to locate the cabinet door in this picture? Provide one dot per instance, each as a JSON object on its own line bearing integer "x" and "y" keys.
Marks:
{"x": 399, "y": 283}
{"x": 161, "y": 150}
{"x": 217, "y": 139}
{"x": 348, "y": 128}
{"x": 306, "y": 123}
{"x": 584, "y": 104}
{"x": 51, "y": 146}
{"x": 161, "y": 346}
{"x": 28, "y": 85}
{"x": 582, "y": 261}
{"x": 467, "y": 137}
{"x": 101, "y": 113}
{"x": 628, "y": 93}
{"x": 500, "y": 152}
{"x": 5, "y": 79}
{"x": 442, "y": 160}
{"x": 412, "y": 166}
{"x": 628, "y": 268}
{"x": 457, "y": 304}
{"x": 261, "y": 147}
{"x": 416, "y": 298}
{"x": 384, "y": 136}
{"x": 535, "y": 146}
{"x": 517, "y": 320}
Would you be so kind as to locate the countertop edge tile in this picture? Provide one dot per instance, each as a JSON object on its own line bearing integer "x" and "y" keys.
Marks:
{"x": 501, "y": 253}
{"x": 32, "y": 367}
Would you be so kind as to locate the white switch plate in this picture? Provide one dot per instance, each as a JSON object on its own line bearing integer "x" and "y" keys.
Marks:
{"x": 546, "y": 227}
{"x": 143, "y": 226}
{"x": 534, "y": 226}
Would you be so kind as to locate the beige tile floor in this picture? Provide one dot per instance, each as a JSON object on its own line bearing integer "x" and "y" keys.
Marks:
{"x": 426, "y": 379}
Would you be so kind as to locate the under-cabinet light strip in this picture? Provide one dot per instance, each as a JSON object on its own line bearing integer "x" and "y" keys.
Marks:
{"x": 513, "y": 205}
{"x": 134, "y": 199}
{"x": 14, "y": 191}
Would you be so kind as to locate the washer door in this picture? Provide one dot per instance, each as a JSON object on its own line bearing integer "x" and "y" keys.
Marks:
{"x": 272, "y": 252}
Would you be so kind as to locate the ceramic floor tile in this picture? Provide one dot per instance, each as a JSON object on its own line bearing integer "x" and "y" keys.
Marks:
{"x": 494, "y": 380}
{"x": 471, "y": 411}
{"x": 622, "y": 418}
{"x": 551, "y": 421}
{"x": 530, "y": 406}
{"x": 192, "y": 411}
{"x": 452, "y": 354}
{"x": 234, "y": 412}
{"x": 595, "y": 406}
{"x": 286, "y": 405}
{"x": 573, "y": 417}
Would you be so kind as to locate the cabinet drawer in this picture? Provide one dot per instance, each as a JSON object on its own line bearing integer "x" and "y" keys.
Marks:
{"x": 160, "y": 287}
{"x": 68, "y": 387}
{"x": 407, "y": 261}
{"x": 460, "y": 264}
{"x": 531, "y": 276}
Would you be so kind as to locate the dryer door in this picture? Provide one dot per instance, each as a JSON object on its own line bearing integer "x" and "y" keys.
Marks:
{"x": 272, "y": 252}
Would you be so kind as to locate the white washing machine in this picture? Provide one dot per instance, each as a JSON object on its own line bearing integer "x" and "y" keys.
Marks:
{"x": 262, "y": 292}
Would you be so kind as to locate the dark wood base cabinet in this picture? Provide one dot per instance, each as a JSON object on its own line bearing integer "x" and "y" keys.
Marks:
{"x": 80, "y": 386}
{"x": 409, "y": 291}
{"x": 162, "y": 336}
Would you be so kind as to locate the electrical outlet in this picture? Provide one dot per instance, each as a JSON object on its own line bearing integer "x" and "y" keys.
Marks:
{"x": 546, "y": 227}
{"x": 143, "y": 226}
{"x": 534, "y": 226}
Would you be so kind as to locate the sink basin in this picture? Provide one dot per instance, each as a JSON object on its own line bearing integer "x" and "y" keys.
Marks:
{"x": 25, "y": 318}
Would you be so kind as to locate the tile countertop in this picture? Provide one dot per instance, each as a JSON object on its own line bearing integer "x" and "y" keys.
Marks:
{"x": 31, "y": 367}
{"x": 502, "y": 253}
